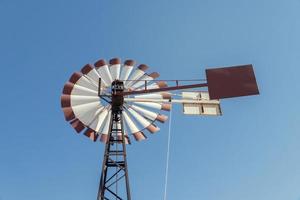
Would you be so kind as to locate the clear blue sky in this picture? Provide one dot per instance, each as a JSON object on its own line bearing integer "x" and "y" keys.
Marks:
{"x": 250, "y": 153}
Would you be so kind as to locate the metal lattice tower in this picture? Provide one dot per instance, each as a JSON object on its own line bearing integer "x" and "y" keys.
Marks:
{"x": 114, "y": 167}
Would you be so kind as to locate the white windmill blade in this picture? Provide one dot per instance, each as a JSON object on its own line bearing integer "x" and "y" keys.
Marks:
{"x": 126, "y": 135}
{"x": 105, "y": 128}
{"x": 84, "y": 82}
{"x": 159, "y": 106}
{"x": 92, "y": 116}
{"x": 80, "y": 80}
{"x": 119, "y": 134}
{"x": 132, "y": 127}
{"x": 81, "y": 110}
{"x": 144, "y": 122}
{"x": 125, "y": 129}
{"x": 91, "y": 73}
{"x": 88, "y": 116}
{"x": 79, "y": 99}
{"x": 68, "y": 89}
{"x": 146, "y": 113}
{"x": 114, "y": 68}
{"x": 72, "y": 100}
{"x": 99, "y": 120}
{"x": 136, "y": 132}
{"x": 104, "y": 72}
{"x": 144, "y": 79}
{"x": 149, "y": 114}
{"x": 126, "y": 70}
{"x": 103, "y": 119}
{"x": 86, "y": 107}
{"x": 72, "y": 89}
{"x": 80, "y": 90}
{"x": 161, "y": 95}
{"x": 138, "y": 73}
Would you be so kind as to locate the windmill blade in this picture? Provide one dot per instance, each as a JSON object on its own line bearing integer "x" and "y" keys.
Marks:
{"x": 65, "y": 100}
{"x": 91, "y": 73}
{"x": 90, "y": 133}
{"x": 114, "y": 68}
{"x": 126, "y": 70}
{"x": 105, "y": 128}
{"x": 144, "y": 79}
{"x": 144, "y": 122}
{"x": 126, "y": 135}
{"x": 68, "y": 113}
{"x": 133, "y": 128}
{"x": 159, "y": 106}
{"x": 84, "y": 82}
{"x": 79, "y": 90}
{"x": 137, "y": 74}
{"x": 79, "y": 79}
{"x": 83, "y": 108}
{"x": 104, "y": 72}
{"x": 68, "y": 100}
{"x": 99, "y": 120}
{"x": 88, "y": 117}
{"x": 119, "y": 134}
{"x": 138, "y": 135}
{"x": 149, "y": 114}
{"x": 127, "y": 140}
{"x": 72, "y": 89}
{"x": 77, "y": 125}
{"x": 82, "y": 111}
{"x": 79, "y": 100}
{"x": 68, "y": 87}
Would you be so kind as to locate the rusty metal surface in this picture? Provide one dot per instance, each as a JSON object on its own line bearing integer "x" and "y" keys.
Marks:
{"x": 230, "y": 82}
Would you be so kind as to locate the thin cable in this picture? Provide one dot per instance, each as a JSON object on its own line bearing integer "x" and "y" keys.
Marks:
{"x": 168, "y": 156}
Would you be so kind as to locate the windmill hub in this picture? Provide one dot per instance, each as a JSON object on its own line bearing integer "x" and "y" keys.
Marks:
{"x": 117, "y": 97}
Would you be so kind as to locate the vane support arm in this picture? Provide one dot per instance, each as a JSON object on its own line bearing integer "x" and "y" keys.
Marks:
{"x": 196, "y": 101}
{"x": 178, "y": 87}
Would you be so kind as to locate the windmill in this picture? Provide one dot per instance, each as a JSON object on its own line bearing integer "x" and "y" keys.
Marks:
{"x": 110, "y": 102}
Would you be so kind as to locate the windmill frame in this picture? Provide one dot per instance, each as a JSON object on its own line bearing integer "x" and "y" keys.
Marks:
{"x": 83, "y": 103}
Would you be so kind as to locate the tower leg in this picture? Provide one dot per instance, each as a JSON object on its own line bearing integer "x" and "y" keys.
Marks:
{"x": 114, "y": 181}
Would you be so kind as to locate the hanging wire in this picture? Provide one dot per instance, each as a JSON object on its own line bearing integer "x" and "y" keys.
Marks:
{"x": 168, "y": 155}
